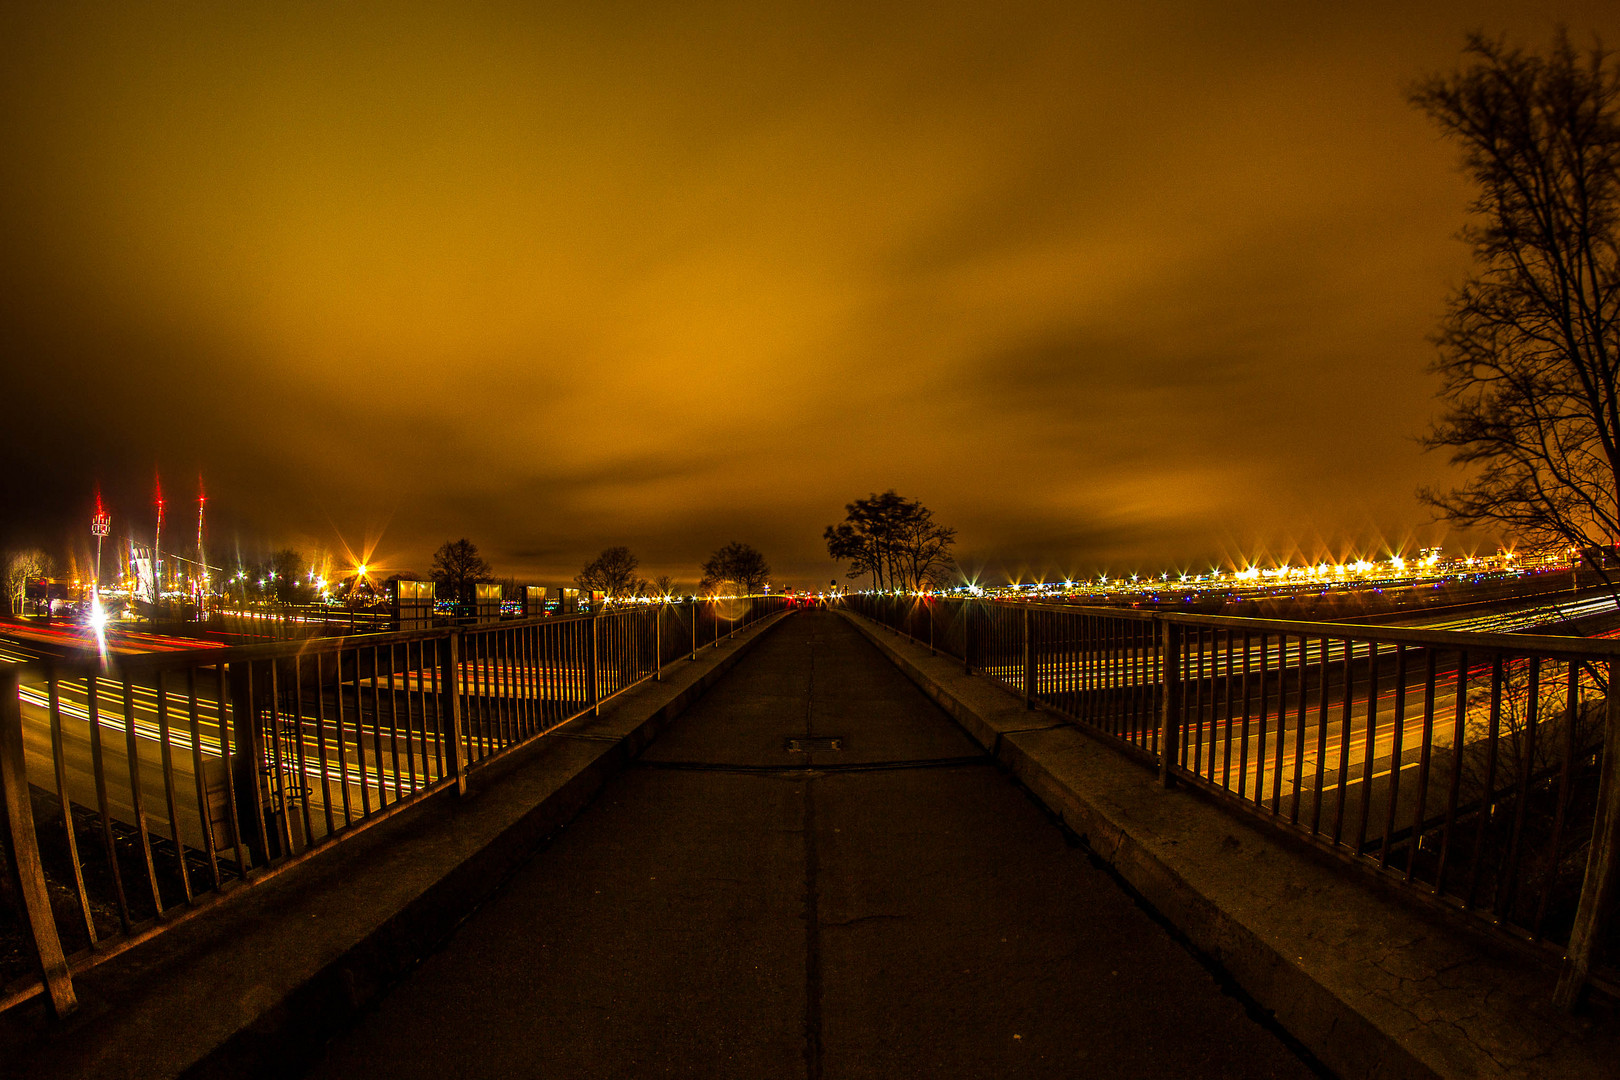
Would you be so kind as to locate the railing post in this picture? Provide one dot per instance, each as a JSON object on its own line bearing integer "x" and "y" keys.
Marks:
{"x": 1602, "y": 861}
{"x": 658, "y": 642}
{"x": 1169, "y": 701}
{"x": 694, "y": 628}
{"x": 967, "y": 637}
{"x": 1029, "y": 658}
{"x": 248, "y": 762}
{"x": 24, "y": 868}
{"x": 450, "y": 708}
{"x": 596, "y": 665}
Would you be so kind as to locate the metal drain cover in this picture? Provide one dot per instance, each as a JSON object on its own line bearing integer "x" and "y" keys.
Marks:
{"x": 805, "y": 744}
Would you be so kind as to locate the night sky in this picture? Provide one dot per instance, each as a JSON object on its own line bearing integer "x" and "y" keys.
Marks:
{"x": 1107, "y": 286}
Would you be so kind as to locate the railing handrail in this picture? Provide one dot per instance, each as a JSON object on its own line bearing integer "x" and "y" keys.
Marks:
{"x": 118, "y": 664}
{"x": 1485, "y": 641}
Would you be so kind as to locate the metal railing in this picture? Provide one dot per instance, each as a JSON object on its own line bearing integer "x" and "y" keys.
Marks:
{"x": 1468, "y": 768}
{"x": 139, "y": 791}
{"x": 245, "y": 624}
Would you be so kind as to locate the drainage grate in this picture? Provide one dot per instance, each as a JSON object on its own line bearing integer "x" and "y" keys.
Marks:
{"x": 805, "y": 744}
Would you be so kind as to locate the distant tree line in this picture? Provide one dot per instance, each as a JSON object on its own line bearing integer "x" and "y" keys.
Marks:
{"x": 736, "y": 567}
{"x": 893, "y": 540}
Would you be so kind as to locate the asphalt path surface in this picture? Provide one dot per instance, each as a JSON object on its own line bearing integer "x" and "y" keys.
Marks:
{"x": 737, "y": 904}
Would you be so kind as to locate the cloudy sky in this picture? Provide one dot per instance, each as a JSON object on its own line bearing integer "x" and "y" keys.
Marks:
{"x": 1106, "y": 285}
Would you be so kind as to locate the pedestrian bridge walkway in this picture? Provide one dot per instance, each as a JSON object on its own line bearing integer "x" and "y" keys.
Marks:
{"x": 813, "y": 872}
{"x": 754, "y": 839}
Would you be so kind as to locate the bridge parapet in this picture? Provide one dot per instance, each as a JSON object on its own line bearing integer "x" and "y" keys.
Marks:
{"x": 139, "y": 791}
{"x": 1468, "y": 769}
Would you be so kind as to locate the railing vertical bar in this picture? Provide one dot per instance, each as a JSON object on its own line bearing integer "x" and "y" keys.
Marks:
{"x": 136, "y": 796}
{"x": 1170, "y": 705}
{"x": 1196, "y": 728}
{"x": 1508, "y": 894}
{"x": 320, "y": 744}
{"x": 343, "y": 745}
{"x": 1566, "y": 764}
{"x": 495, "y": 720}
{"x": 545, "y": 679}
{"x": 1345, "y": 729}
{"x": 531, "y": 697}
{"x": 1280, "y": 736}
{"x": 594, "y": 675}
{"x": 1322, "y": 672}
{"x": 1425, "y": 752}
{"x": 1299, "y": 732}
{"x": 59, "y": 767}
{"x": 432, "y": 741}
{"x": 171, "y": 799}
{"x": 303, "y": 789}
{"x": 393, "y": 718}
{"x": 376, "y": 730}
{"x": 1226, "y": 754}
{"x": 1146, "y": 656}
{"x": 435, "y": 687}
{"x": 227, "y": 753}
{"x": 204, "y": 811}
{"x": 360, "y": 739}
{"x": 1243, "y": 735}
{"x": 1458, "y": 745}
{"x": 404, "y": 678}
{"x": 471, "y": 677}
{"x": 24, "y": 869}
{"x": 1085, "y": 693}
{"x": 103, "y": 809}
{"x": 1397, "y": 732}
{"x": 1264, "y": 718}
{"x": 505, "y": 701}
{"x": 449, "y": 682}
{"x": 1487, "y": 806}
{"x": 281, "y": 787}
{"x": 1369, "y": 751}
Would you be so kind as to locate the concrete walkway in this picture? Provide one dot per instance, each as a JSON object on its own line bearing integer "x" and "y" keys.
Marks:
{"x": 729, "y": 906}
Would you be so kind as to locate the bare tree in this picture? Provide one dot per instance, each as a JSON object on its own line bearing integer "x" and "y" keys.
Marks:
{"x": 458, "y": 567}
{"x": 1529, "y": 348}
{"x": 923, "y": 549}
{"x": 893, "y": 539}
{"x": 21, "y": 567}
{"x": 663, "y": 585}
{"x": 739, "y": 563}
{"x": 614, "y": 573}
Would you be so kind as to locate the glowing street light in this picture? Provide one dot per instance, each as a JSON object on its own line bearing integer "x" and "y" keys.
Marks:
{"x": 100, "y": 526}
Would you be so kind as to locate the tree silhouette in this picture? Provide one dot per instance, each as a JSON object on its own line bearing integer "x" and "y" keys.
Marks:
{"x": 739, "y": 563}
{"x": 613, "y": 573}
{"x": 458, "y": 567}
{"x": 1529, "y": 348}
{"x": 894, "y": 540}
{"x": 22, "y": 567}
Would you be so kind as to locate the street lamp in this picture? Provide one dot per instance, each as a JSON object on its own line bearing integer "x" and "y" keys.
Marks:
{"x": 100, "y": 525}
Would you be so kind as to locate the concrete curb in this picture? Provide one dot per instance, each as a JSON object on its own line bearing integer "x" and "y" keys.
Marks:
{"x": 1373, "y": 987}
{"x": 258, "y": 987}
